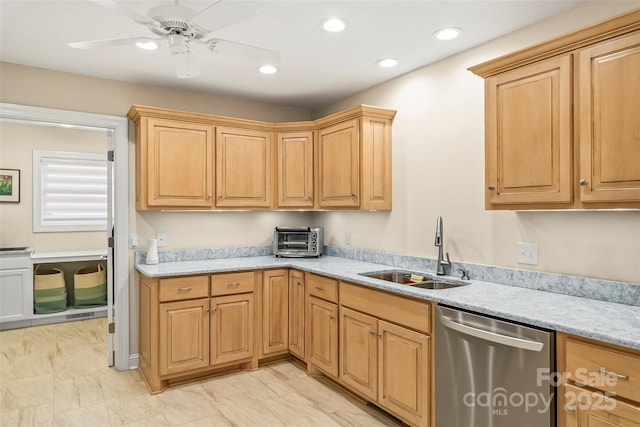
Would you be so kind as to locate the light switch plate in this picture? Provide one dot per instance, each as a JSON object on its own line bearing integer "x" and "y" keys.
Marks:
{"x": 133, "y": 241}
{"x": 527, "y": 253}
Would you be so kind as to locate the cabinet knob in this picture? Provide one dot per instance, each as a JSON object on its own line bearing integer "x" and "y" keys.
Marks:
{"x": 219, "y": 196}
{"x": 380, "y": 335}
{"x": 491, "y": 187}
{"x": 353, "y": 195}
{"x": 583, "y": 182}
{"x": 208, "y": 196}
{"x": 206, "y": 310}
{"x": 372, "y": 332}
{"x": 332, "y": 317}
{"x": 309, "y": 197}
{"x": 569, "y": 409}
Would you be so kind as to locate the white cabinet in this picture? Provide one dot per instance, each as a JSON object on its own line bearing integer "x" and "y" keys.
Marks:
{"x": 16, "y": 286}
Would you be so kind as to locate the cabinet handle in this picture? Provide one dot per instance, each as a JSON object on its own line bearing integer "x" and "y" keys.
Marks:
{"x": 233, "y": 284}
{"x": 372, "y": 332}
{"x": 299, "y": 283}
{"x": 380, "y": 335}
{"x": 206, "y": 310}
{"x": 569, "y": 409}
{"x": 219, "y": 196}
{"x": 309, "y": 197}
{"x": 213, "y": 309}
{"x": 332, "y": 317}
{"x": 320, "y": 289}
{"x": 208, "y": 196}
{"x": 583, "y": 182}
{"x": 614, "y": 375}
{"x": 353, "y": 195}
{"x": 491, "y": 187}
{"x": 185, "y": 289}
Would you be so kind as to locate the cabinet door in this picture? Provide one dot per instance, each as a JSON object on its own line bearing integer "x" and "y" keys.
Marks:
{"x": 323, "y": 335}
{"x": 275, "y": 311}
{"x": 231, "y": 328}
{"x": 296, "y": 313}
{"x": 609, "y": 133}
{"x": 184, "y": 336}
{"x": 376, "y": 164}
{"x": 243, "y": 168}
{"x": 528, "y": 135}
{"x": 359, "y": 352}
{"x": 403, "y": 372}
{"x": 16, "y": 294}
{"x": 180, "y": 164}
{"x": 295, "y": 170}
{"x": 583, "y": 408}
{"x": 339, "y": 165}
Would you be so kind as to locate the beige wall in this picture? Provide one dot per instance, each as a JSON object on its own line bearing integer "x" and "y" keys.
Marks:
{"x": 438, "y": 169}
{"x": 17, "y": 142}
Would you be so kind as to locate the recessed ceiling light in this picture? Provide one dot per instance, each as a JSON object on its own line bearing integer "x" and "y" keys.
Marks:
{"x": 147, "y": 44}
{"x": 268, "y": 69}
{"x": 334, "y": 25}
{"x": 387, "y": 62}
{"x": 447, "y": 33}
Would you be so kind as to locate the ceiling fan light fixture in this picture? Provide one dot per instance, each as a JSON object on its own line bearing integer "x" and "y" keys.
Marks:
{"x": 448, "y": 33}
{"x": 334, "y": 25}
{"x": 267, "y": 69}
{"x": 147, "y": 44}
{"x": 387, "y": 62}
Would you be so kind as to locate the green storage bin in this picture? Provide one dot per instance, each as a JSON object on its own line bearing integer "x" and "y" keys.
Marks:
{"x": 49, "y": 290}
{"x": 90, "y": 287}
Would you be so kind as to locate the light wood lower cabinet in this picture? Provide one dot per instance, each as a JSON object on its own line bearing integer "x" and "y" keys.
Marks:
{"x": 601, "y": 384}
{"x": 275, "y": 311}
{"x": 296, "y": 313}
{"x": 386, "y": 363}
{"x": 187, "y": 329}
{"x": 231, "y": 328}
{"x": 184, "y": 336}
{"x": 322, "y": 335}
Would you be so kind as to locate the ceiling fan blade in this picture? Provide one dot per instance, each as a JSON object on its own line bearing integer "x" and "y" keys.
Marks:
{"x": 243, "y": 51}
{"x": 225, "y": 14}
{"x": 93, "y": 44}
{"x": 119, "y": 9}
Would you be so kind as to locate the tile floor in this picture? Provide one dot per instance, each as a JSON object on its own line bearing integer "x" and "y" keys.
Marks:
{"x": 56, "y": 375}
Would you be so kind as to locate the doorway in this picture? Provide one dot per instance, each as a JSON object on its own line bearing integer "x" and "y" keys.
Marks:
{"x": 117, "y": 223}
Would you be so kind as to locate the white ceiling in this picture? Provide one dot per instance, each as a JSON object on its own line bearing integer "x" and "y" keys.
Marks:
{"x": 316, "y": 67}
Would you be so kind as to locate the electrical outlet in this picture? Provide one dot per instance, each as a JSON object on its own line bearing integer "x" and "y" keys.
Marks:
{"x": 133, "y": 241}
{"x": 162, "y": 239}
{"x": 527, "y": 253}
{"x": 347, "y": 237}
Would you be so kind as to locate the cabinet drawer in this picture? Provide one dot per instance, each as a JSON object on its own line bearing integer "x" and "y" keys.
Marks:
{"x": 231, "y": 283}
{"x": 179, "y": 288}
{"x": 597, "y": 367}
{"x": 394, "y": 308}
{"x": 322, "y": 287}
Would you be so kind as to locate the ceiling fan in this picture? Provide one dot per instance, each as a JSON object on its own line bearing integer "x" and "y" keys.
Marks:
{"x": 174, "y": 24}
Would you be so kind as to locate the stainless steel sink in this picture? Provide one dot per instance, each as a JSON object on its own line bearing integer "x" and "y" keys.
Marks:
{"x": 412, "y": 278}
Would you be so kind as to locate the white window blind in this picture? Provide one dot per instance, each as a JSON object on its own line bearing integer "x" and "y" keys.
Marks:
{"x": 70, "y": 191}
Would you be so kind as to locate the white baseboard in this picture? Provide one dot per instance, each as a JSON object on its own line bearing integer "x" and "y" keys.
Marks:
{"x": 134, "y": 361}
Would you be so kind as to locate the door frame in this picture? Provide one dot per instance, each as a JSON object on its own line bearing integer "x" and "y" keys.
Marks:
{"x": 119, "y": 127}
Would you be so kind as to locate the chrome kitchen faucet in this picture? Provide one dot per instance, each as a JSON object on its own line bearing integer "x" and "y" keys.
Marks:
{"x": 442, "y": 264}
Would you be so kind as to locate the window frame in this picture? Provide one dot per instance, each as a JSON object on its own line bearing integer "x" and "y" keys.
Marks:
{"x": 39, "y": 225}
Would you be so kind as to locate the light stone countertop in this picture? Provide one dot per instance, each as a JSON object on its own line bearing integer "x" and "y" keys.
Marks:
{"x": 605, "y": 321}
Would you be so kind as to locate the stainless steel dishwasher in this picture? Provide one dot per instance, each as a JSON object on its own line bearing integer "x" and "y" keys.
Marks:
{"x": 491, "y": 372}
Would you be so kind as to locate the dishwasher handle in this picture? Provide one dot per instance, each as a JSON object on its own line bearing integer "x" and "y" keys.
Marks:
{"x": 492, "y": 336}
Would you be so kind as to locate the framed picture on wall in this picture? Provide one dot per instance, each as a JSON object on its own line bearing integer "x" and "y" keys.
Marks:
{"x": 10, "y": 185}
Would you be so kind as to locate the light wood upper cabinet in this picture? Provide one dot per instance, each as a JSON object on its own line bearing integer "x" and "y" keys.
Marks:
{"x": 528, "y": 134}
{"x": 295, "y": 169}
{"x": 609, "y": 121}
{"x": 562, "y": 128}
{"x": 199, "y": 161}
{"x": 243, "y": 168}
{"x": 175, "y": 164}
{"x": 339, "y": 165}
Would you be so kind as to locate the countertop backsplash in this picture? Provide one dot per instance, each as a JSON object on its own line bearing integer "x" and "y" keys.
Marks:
{"x": 585, "y": 287}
